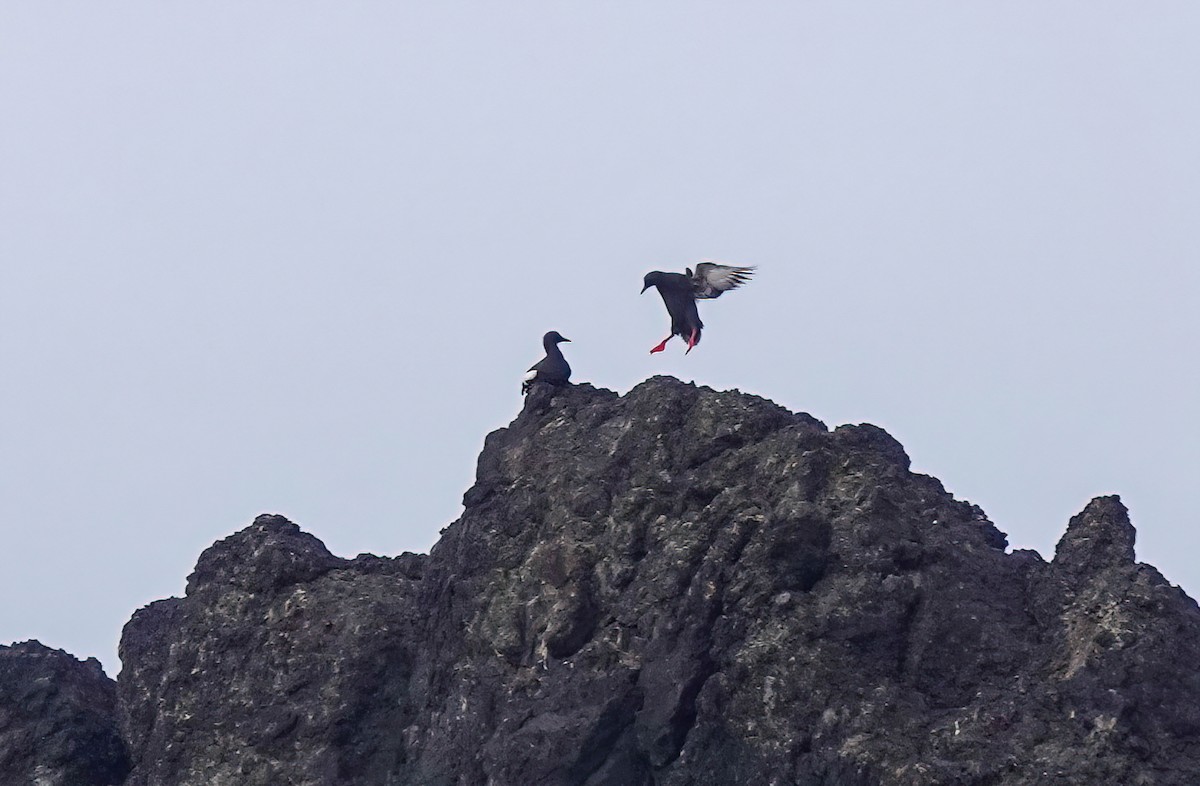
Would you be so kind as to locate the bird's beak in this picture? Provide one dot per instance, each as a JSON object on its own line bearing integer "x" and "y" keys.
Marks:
{"x": 567, "y": 340}
{"x": 644, "y": 288}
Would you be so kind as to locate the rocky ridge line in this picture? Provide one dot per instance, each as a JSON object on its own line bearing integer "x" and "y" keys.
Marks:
{"x": 674, "y": 587}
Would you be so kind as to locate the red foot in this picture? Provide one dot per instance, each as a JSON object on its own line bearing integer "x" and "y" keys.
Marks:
{"x": 692, "y": 340}
{"x": 661, "y": 346}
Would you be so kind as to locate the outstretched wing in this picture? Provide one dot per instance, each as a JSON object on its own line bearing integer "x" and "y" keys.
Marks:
{"x": 712, "y": 279}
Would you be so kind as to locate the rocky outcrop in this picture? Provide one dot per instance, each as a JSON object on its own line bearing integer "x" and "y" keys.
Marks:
{"x": 676, "y": 587}
{"x": 1119, "y": 658}
{"x": 58, "y": 724}
{"x": 282, "y": 665}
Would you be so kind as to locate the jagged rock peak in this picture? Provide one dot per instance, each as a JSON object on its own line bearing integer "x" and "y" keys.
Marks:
{"x": 660, "y": 398}
{"x": 675, "y": 587}
{"x": 1100, "y": 536}
{"x": 269, "y": 554}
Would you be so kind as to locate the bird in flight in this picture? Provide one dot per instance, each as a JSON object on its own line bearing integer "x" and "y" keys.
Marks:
{"x": 553, "y": 368}
{"x": 680, "y": 291}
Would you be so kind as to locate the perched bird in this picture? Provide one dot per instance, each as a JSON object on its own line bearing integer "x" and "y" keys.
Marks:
{"x": 553, "y": 368}
{"x": 680, "y": 291}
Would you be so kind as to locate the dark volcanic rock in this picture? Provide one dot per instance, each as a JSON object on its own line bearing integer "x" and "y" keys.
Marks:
{"x": 676, "y": 587}
{"x": 58, "y": 724}
{"x": 282, "y": 665}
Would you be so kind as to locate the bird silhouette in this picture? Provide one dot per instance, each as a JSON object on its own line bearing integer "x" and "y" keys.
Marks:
{"x": 680, "y": 291}
{"x": 552, "y": 369}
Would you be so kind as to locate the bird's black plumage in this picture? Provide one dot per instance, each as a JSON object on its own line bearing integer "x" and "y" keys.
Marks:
{"x": 680, "y": 291}
{"x": 552, "y": 369}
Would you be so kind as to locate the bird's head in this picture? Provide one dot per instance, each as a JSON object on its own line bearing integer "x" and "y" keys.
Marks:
{"x": 650, "y": 279}
{"x": 554, "y": 337}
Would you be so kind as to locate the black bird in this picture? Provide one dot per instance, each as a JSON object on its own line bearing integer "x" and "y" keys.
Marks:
{"x": 553, "y": 368}
{"x": 680, "y": 291}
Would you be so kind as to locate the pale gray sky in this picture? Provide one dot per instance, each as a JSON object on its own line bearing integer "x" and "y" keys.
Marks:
{"x": 295, "y": 257}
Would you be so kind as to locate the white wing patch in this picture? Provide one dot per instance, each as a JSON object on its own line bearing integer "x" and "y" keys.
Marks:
{"x": 712, "y": 278}
{"x": 529, "y": 375}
